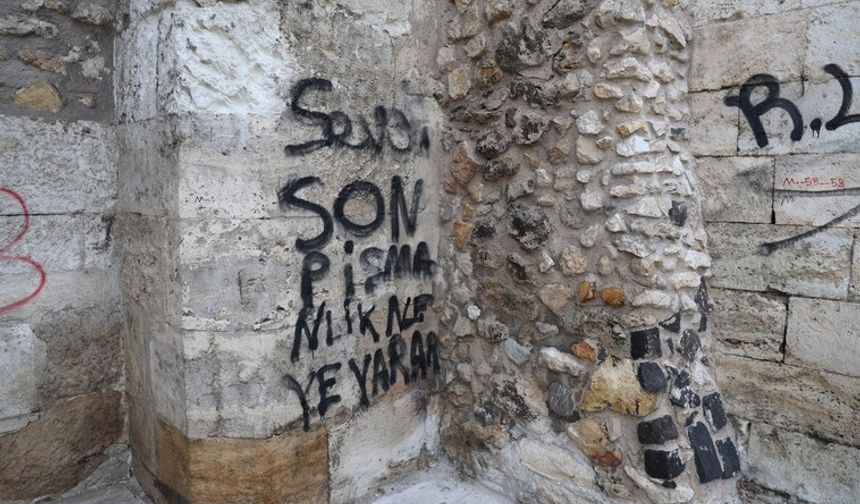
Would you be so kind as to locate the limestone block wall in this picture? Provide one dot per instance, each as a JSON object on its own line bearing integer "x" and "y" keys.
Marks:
{"x": 579, "y": 316}
{"x": 279, "y": 193}
{"x": 61, "y": 411}
{"x": 774, "y": 133}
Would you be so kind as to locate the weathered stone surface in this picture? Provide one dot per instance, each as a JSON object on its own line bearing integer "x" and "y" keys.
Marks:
{"x": 284, "y": 468}
{"x": 708, "y": 12}
{"x": 564, "y": 13}
{"x": 681, "y": 494}
{"x": 736, "y": 189}
{"x": 65, "y": 445}
{"x": 663, "y": 464}
{"x": 803, "y": 466}
{"x": 651, "y": 376}
{"x": 41, "y": 96}
{"x": 509, "y": 300}
{"x": 555, "y": 296}
{"x": 21, "y": 26}
{"x": 824, "y": 335}
{"x": 791, "y": 397}
{"x": 43, "y": 61}
{"x": 708, "y": 465}
{"x": 463, "y": 167}
{"x": 831, "y": 37}
{"x": 727, "y": 54}
{"x": 657, "y": 431}
{"x": 555, "y": 463}
{"x": 591, "y": 437}
{"x": 92, "y": 13}
{"x": 613, "y": 296}
{"x": 739, "y": 263}
{"x": 799, "y": 178}
{"x": 529, "y": 225}
{"x": 614, "y": 385}
{"x": 713, "y": 125}
{"x": 748, "y": 324}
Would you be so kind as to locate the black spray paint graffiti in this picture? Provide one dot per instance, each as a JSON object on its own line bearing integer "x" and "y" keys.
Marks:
{"x": 391, "y": 127}
{"x": 315, "y": 326}
{"x": 773, "y": 100}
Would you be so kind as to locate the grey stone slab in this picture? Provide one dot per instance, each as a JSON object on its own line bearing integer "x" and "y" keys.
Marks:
{"x": 713, "y": 125}
{"x": 818, "y": 266}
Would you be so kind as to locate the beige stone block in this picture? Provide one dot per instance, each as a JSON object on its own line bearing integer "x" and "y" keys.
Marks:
{"x": 41, "y": 96}
{"x": 807, "y": 189}
{"x": 290, "y": 467}
{"x": 824, "y": 335}
{"x": 799, "y": 465}
{"x": 791, "y": 397}
{"x": 713, "y": 125}
{"x": 748, "y": 324}
{"x": 725, "y": 10}
{"x": 818, "y": 266}
{"x": 727, "y": 54}
{"x": 736, "y": 189}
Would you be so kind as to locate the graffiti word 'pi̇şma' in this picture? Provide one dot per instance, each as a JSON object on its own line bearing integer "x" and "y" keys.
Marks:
{"x": 391, "y": 127}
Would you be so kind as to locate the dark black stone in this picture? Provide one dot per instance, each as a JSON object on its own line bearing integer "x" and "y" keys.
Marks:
{"x": 492, "y": 143}
{"x": 645, "y": 344}
{"x": 680, "y": 378}
{"x": 689, "y": 345}
{"x": 484, "y": 230}
{"x": 669, "y": 484}
{"x": 678, "y": 134}
{"x": 561, "y": 401}
{"x": 703, "y": 300}
{"x": 651, "y": 376}
{"x": 672, "y": 323}
{"x": 657, "y": 431}
{"x": 684, "y": 398}
{"x": 703, "y": 323}
{"x": 671, "y": 345}
{"x": 663, "y": 464}
{"x": 731, "y": 460}
{"x": 690, "y": 419}
{"x": 707, "y": 462}
{"x": 520, "y": 270}
{"x": 496, "y": 169}
{"x": 678, "y": 213}
{"x": 714, "y": 411}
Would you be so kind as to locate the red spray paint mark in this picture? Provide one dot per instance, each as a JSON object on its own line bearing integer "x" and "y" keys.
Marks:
{"x": 33, "y": 264}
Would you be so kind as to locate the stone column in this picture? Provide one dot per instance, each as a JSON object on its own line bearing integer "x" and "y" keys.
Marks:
{"x": 279, "y": 199}
{"x": 577, "y": 266}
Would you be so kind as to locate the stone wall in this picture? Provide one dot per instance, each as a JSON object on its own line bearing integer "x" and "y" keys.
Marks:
{"x": 579, "y": 314}
{"x": 61, "y": 409}
{"x": 775, "y": 140}
{"x": 278, "y": 198}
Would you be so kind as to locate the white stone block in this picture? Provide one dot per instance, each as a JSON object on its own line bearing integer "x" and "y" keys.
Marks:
{"x": 807, "y": 189}
{"x": 22, "y": 360}
{"x": 736, "y": 189}
{"x": 824, "y": 335}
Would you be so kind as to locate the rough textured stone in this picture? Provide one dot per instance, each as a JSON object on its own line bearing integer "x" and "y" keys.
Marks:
{"x": 823, "y": 335}
{"x": 803, "y": 466}
{"x": 651, "y": 376}
{"x": 561, "y": 401}
{"x": 529, "y": 225}
{"x": 613, "y": 296}
{"x": 663, "y": 464}
{"x": 65, "y": 445}
{"x": 614, "y": 385}
{"x": 657, "y": 431}
{"x": 708, "y": 465}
